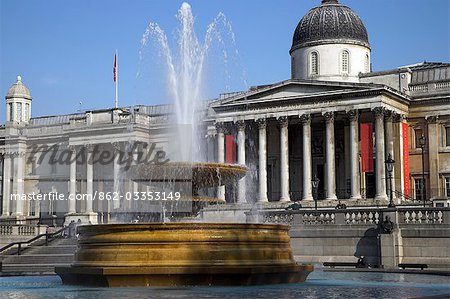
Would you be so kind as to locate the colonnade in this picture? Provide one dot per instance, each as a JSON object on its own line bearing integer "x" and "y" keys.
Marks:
{"x": 384, "y": 145}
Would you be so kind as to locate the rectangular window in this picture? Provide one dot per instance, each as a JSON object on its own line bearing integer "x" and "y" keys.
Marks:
{"x": 417, "y": 134}
{"x": 11, "y": 112}
{"x": 19, "y": 112}
{"x": 314, "y": 63}
{"x": 27, "y": 111}
{"x": 447, "y": 186}
{"x": 447, "y": 136}
{"x": 345, "y": 57}
{"x": 419, "y": 189}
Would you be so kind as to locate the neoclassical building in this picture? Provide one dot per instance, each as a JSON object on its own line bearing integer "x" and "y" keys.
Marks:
{"x": 334, "y": 119}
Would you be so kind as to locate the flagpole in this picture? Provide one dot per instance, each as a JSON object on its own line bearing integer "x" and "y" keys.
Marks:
{"x": 117, "y": 80}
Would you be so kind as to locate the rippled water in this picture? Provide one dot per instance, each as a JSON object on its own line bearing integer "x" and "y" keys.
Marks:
{"x": 319, "y": 285}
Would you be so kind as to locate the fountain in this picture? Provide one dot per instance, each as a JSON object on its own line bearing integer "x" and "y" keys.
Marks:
{"x": 175, "y": 253}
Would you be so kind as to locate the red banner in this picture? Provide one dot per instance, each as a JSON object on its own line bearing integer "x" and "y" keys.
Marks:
{"x": 366, "y": 131}
{"x": 230, "y": 152}
{"x": 406, "y": 184}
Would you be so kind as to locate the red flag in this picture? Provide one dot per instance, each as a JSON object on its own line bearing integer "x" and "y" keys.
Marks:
{"x": 115, "y": 67}
{"x": 230, "y": 149}
{"x": 406, "y": 182}
{"x": 366, "y": 130}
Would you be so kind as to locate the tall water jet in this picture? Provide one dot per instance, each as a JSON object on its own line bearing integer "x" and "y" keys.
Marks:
{"x": 185, "y": 70}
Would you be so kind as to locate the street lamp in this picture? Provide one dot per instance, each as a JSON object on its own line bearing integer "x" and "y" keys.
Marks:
{"x": 315, "y": 184}
{"x": 422, "y": 142}
{"x": 390, "y": 167}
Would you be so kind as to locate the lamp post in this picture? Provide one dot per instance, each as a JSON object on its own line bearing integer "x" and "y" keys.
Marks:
{"x": 390, "y": 167}
{"x": 422, "y": 142}
{"x": 315, "y": 185}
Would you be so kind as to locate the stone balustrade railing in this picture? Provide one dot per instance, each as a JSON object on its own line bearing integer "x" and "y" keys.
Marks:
{"x": 19, "y": 230}
{"x": 437, "y": 87}
{"x": 358, "y": 216}
{"x": 6, "y": 230}
{"x": 425, "y": 216}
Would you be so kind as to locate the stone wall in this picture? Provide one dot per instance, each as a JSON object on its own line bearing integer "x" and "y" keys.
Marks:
{"x": 420, "y": 235}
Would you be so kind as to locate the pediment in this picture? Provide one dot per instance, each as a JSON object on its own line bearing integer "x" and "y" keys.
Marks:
{"x": 289, "y": 89}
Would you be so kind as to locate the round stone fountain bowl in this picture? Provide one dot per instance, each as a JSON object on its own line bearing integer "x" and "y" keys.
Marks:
{"x": 175, "y": 254}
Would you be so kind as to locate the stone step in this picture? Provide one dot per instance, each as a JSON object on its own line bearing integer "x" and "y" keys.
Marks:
{"x": 31, "y": 269}
{"x": 63, "y": 241}
{"x": 38, "y": 259}
{"x": 60, "y": 249}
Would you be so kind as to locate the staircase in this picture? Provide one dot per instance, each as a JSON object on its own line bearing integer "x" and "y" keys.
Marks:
{"x": 38, "y": 259}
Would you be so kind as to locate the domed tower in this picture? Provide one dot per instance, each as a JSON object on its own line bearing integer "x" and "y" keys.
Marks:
{"x": 18, "y": 103}
{"x": 330, "y": 43}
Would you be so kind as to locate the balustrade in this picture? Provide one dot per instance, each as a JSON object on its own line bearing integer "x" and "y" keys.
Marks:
{"x": 424, "y": 216}
{"x": 359, "y": 216}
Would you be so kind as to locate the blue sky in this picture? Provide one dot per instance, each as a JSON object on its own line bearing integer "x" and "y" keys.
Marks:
{"x": 64, "y": 50}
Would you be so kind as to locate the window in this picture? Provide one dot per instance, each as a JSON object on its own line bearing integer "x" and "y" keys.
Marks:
{"x": 345, "y": 61}
{"x": 447, "y": 136}
{"x": 314, "y": 63}
{"x": 367, "y": 64}
{"x": 418, "y": 191}
{"x": 32, "y": 208}
{"x": 27, "y": 112}
{"x": 417, "y": 134}
{"x": 447, "y": 186}
{"x": 11, "y": 112}
{"x": 19, "y": 112}
{"x": 33, "y": 166}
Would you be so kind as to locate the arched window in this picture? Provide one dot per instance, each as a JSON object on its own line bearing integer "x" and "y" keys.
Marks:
{"x": 345, "y": 61}
{"x": 11, "y": 112}
{"x": 367, "y": 64}
{"x": 19, "y": 112}
{"x": 27, "y": 111}
{"x": 314, "y": 63}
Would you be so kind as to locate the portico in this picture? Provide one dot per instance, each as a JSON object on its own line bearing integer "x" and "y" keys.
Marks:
{"x": 313, "y": 135}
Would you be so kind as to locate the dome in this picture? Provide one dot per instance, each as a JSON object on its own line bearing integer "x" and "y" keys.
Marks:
{"x": 331, "y": 22}
{"x": 18, "y": 90}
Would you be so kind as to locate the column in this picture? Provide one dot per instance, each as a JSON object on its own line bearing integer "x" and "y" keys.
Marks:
{"x": 210, "y": 147}
{"x": 262, "y": 153}
{"x": 389, "y": 131}
{"x": 116, "y": 181}
{"x": 6, "y": 184}
{"x": 89, "y": 178}
{"x": 283, "y": 123}
{"x": 19, "y": 164}
{"x": 241, "y": 160}
{"x": 220, "y": 155}
{"x": 330, "y": 156}
{"x": 307, "y": 157}
{"x": 433, "y": 159}
{"x": 354, "y": 155}
{"x": 73, "y": 180}
{"x": 380, "y": 156}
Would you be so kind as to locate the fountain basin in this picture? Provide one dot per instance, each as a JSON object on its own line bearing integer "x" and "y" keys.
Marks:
{"x": 175, "y": 254}
{"x": 200, "y": 174}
